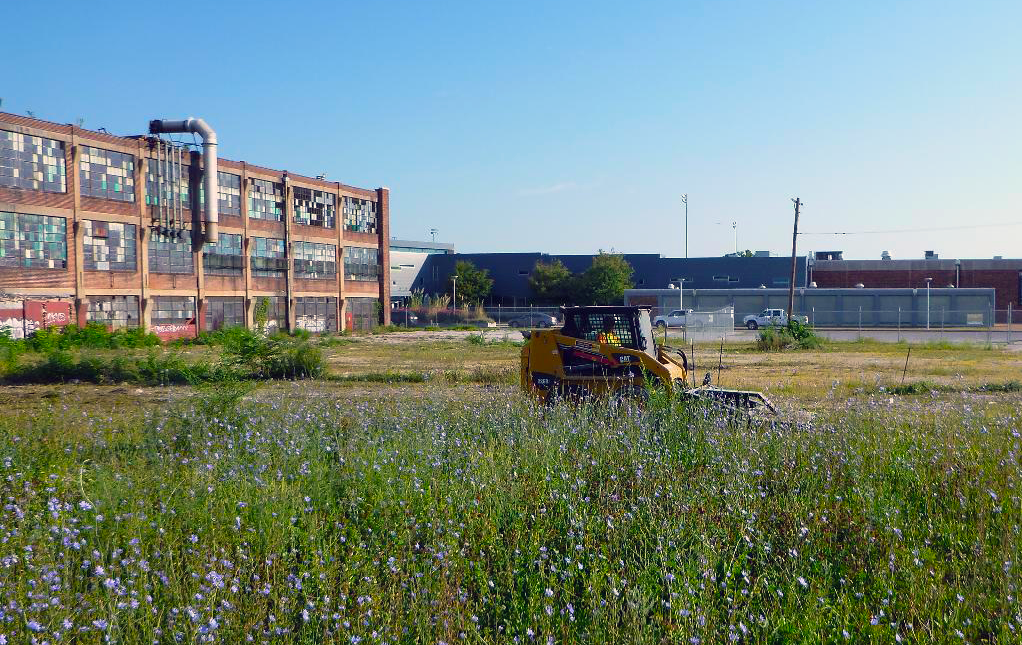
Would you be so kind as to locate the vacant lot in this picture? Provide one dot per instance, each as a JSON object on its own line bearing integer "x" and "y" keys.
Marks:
{"x": 417, "y": 496}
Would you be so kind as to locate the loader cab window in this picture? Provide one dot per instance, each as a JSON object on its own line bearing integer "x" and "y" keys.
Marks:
{"x": 590, "y": 326}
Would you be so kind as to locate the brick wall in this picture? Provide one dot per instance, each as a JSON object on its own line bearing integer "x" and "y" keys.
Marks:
{"x": 73, "y": 207}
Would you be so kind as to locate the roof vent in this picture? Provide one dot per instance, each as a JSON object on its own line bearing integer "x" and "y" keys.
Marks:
{"x": 885, "y": 256}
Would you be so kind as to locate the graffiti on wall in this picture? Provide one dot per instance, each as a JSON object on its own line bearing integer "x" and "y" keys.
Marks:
{"x": 24, "y": 317}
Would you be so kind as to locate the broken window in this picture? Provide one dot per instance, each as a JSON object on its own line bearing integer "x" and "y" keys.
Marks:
{"x": 173, "y": 310}
{"x": 107, "y": 174}
{"x": 225, "y": 257}
{"x": 227, "y": 311}
{"x": 108, "y": 246}
{"x": 171, "y": 253}
{"x": 32, "y": 163}
{"x": 314, "y": 207}
{"x": 361, "y": 263}
{"x": 268, "y": 257}
{"x": 116, "y": 312}
{"x": 266, "y": 200}
{"x": 314, "y": 260}
{"x": 360, "y": 215}
{"x": 33, "y": 241}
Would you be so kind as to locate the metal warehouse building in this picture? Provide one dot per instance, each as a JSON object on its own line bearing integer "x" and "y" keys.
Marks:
{"x": 96, "y": 227}
{"x": 838, "y": 307}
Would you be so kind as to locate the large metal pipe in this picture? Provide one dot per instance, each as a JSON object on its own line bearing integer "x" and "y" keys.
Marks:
{"x": 209, "y": 176}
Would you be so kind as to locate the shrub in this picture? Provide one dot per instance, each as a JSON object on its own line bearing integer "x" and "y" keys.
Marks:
{"x": 794, "y": 335}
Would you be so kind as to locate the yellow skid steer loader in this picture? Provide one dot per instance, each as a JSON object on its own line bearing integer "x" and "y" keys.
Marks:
{"x": 611, "y": 352}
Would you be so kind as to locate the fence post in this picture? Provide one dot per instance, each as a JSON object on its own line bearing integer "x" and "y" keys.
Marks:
{"x": 942, "y": 323}
{"x": 1009, "y": 323}
{"x": 990, "y": 324}
{"x": 899, "y": 324}
{"x": 812, "y": 317}
{"x": 860, "y": 323}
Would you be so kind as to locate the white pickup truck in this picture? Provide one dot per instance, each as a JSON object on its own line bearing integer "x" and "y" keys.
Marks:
{"x": 767, "y": 317}
{"x": 676, "y": 318}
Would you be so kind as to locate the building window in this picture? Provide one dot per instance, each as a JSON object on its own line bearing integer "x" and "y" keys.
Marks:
{"x": 266, "y": 200}
{"x": 170, "y": 253}
{"x": 720, "y": 278}
{"x": 176, "y": 182}
{"x": 363, "y": 313}
{"x": 225, "y": 257}
{"x": 268, "y": 257}
{"x": 360, "y": 215}
{"x": 316, "y": 313}
{"x": 33, "y": 163}
{"x": 315, "y": 207}
{"x": 228, "y": 189}
{"x": 224, "y": 312}
{"x": 361, "y": 263}
{"x": 33, "y": 241}
{"x": 173, "y": 310}
{"x": 107, "y": 174}
{"x": 116, "y": 312}
{"x": 108, "y": 246}
{"x": 276, "y": 310}
{"x": 314, "y": 260}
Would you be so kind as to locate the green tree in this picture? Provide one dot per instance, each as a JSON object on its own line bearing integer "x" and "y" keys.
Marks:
{"x": 746, "y": 254}
{"x": 474, "y": 284}
{"x": 604, "y": 282}
{"x": 552, "y": 282}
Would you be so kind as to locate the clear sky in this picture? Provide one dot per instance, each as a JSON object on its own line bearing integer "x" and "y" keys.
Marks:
{"x": 574, "y": 126}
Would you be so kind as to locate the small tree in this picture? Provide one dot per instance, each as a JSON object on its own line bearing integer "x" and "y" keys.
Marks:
{"x": 604, "y": 282}
{"x": 552, "y": 282}
{"x": 474, "y": 284}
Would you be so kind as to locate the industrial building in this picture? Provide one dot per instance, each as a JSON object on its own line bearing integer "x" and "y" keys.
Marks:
{"x": 118, "y": 230}
{"x": 943, "y": 307}
{"x": 829, "y": 269}
{"x": 510, "y": 272}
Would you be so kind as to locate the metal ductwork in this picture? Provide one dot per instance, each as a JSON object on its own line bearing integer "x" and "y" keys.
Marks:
{"x": 199, "y": 127}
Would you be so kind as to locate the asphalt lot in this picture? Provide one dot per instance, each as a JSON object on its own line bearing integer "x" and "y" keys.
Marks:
{"x": 998, "y": 336}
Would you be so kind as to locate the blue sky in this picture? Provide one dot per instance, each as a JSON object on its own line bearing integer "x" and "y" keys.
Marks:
{"x": 574, "y": 126}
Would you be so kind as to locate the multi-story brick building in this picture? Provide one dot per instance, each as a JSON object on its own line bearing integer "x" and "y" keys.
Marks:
{"x": 90, "y": 222}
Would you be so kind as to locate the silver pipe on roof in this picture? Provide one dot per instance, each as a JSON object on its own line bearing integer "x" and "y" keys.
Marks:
{"x": 209, "y": 159}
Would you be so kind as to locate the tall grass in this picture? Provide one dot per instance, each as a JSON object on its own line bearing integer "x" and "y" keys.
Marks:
{"x": 289, "y": 519}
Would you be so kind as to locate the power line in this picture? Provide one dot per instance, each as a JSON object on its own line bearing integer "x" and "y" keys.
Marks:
{"x": 912, "y": 230}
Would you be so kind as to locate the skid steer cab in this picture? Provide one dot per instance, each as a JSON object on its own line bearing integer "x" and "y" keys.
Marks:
{"x": 610, "y": 351}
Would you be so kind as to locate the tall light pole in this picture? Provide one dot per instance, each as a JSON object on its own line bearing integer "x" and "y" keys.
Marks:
{"x": 684, "y": 200}
{"x": 734, "y": 225}
{"x": 928, "y": 281}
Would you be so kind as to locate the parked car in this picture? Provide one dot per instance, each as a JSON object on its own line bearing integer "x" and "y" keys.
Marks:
{"x": 404, "y": 317}
{"x": 532, "y": 320}
{"x": 676, "y": 318}
{"x": 767, "y": 317}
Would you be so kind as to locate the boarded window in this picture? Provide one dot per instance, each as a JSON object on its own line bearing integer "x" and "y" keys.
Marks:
{"x": 363, "y": 312}
{"x": 316, "y": 314}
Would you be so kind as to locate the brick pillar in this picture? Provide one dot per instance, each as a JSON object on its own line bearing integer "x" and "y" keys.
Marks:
{"x": 383, "y": 213}
{"x": 200, "y": 315}
{"x": 81, "y": 311}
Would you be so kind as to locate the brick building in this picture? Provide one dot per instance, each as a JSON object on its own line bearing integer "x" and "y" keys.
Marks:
{"x": 1004, "y": 276}
{"x": 108, "y": 228}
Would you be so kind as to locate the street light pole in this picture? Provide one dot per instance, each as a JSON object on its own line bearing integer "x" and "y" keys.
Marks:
{"x": 734, "y": 225}
{"x": 684, "y": 200}
{"x": 928, "y": 281}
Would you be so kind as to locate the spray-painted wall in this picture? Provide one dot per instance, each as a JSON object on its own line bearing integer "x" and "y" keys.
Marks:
{"x": 24, "y": 317}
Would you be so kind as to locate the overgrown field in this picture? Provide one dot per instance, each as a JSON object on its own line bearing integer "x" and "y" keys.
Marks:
{"x": 291, "y": 514}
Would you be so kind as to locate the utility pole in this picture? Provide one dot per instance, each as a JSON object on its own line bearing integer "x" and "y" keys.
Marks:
{"x": 794, "y": 242}
{"x": 684, "y": 200}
